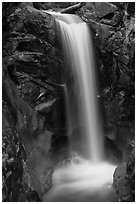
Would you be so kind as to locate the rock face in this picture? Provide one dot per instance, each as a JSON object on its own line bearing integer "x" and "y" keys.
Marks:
{"x": 124, "y": 180}
{"x": 33, "y": 93}
{"x": 113, "y": 31}
{"x": 112, "y": 28}
{"x": 32, "y": 97}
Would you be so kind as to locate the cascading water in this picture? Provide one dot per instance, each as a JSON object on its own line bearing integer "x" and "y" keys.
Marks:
{"x": 78, "y": 51}
{"x": 84, "y": 178}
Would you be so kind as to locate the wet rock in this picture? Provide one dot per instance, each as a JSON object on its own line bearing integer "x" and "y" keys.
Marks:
{"x": 102, "y": 12}
{"x": 40, "y": 170}
{"x": 131, "y": 171}
{"x": 120, "y": 135}
{"x": 101, "y": 32}
{"x": 120, "y": 183}
{"x": 124, "y": 181}
{"x": 55, "y": 6}
{"x": 124, "y": 177}
{"x": 59, "y": 148}
{"x": 124, "y": 138}
{"x": 112, "y": 153}
{"x": 104, "y": 8}
{"x": 112, "y": 29}
{"x": 31, "y": 84}
{"x": 33, "y": 90}
{"x": 127, "y": 152}
{"x": 44, "y": 106}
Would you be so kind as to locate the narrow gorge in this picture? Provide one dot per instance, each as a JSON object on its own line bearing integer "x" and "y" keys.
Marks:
{"x": 68, "y": 101}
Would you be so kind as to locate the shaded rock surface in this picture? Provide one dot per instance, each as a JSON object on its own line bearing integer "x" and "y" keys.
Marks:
{"x": 112, "y": 153}
{"x": 124, "y": 180}
{"x": 113, "y": 29}
{"x": 34, "y": 129}
{"x": 114, "y": 42}
{"x": 32, "y": 100}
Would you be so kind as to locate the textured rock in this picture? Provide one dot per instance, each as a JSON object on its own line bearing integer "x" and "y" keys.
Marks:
{"x": 33, "y": 90}
{"x": 114, "y": 42}
{"x": 12, "y": 164}
{"x": 102, "y": 12}
{"x": 124, "y": 180}
{"x": 112, "y": 28}
{"x": 55, "y": 6}
{"x": 121, "y": 185}
{"x": 112, "y": 153}
{"x": 31, "y": 85}
{"x": 120, "y": 135}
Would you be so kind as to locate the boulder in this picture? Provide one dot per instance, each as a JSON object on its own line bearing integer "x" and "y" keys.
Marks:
{"x": 124, "y": 180}
{"x": 103, "y": 12}
{"x": 32, "y": 82}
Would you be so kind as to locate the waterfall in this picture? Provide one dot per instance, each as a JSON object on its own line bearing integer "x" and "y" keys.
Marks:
{"x": 88, "y": 177}
{"x": 81, "y": 86}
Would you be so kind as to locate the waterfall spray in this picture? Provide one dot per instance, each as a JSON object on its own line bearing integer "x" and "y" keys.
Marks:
{"x": 83, "y": 180}
{"x": 82, "y": 102}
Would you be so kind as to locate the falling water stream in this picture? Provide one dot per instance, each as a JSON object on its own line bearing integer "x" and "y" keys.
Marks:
{"x": 79, "y": 54}
{"x": 88, "y": 177}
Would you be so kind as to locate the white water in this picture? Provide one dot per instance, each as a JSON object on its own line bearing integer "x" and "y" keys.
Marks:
{"x": 82, "y": 182}
{"x": 82, "y": 104}
{"x": 88, "y": 179}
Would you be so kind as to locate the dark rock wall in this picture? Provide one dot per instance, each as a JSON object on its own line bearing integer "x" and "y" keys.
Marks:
{"x": 33, "y": 99}
{"x": 124, "y": 179}
{"x": 33, "y": 92}
{"x": 113, "y": 31}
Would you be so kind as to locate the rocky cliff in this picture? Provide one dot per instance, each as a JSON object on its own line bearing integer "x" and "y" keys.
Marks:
{"x": 34, "y": 129}
{"x": 32, "y": 98}
{"x": 112, "y": 27}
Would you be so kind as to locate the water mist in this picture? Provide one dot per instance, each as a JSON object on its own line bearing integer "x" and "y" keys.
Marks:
{"x": 78, "y": 50}
{"x": 81, "y": 180}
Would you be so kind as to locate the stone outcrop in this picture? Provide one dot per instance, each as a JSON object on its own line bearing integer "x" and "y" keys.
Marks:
{"x": 124, "y": 180}
{"x": 32, "y": 97}
{"x": 113, "y": 32}
{"x": 112, "y": 27}
{"x": 33, "y": 93}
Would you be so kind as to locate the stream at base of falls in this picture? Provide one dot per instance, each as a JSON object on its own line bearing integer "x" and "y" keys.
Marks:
{"x": 82, "y": 181}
